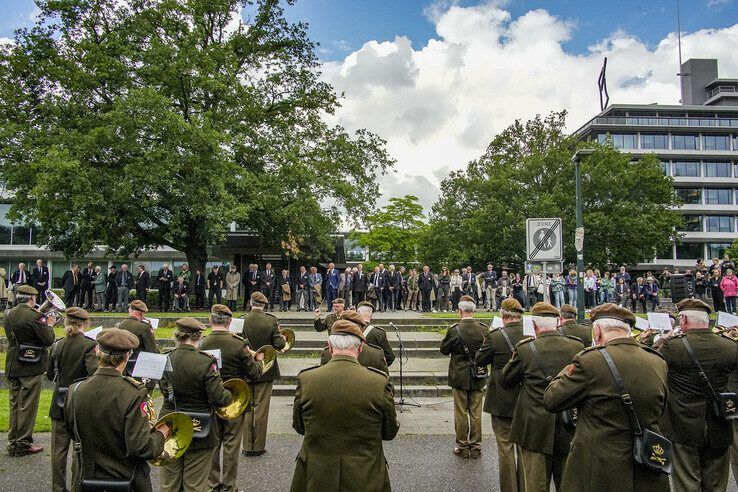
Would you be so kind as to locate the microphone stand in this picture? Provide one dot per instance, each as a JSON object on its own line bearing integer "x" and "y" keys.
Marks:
{"x": 401, "y": 402}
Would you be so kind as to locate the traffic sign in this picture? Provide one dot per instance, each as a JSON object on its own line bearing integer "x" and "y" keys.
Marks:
{"x": 543, "y": 239}
{"x": 548, "y": 267}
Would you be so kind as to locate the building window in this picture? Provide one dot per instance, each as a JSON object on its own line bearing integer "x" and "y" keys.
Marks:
{"x": 690, "y": 196}
{"x": 718, "y": 196}
{"x": 620, "y": 141}
{"x": 691, "y": 169}
{"x": 685, "y": 142}
{"x": 649, "y": 141}
{"x": 716, "y": 142}
{"x": 716, "y": 250}
{"x": 717, "y": 169}
{"x": 665, "y": 165}
{"x": 689, "y": 251}
{"x": 719, "y": 223}
{"x": 5, "y": 225}
{"x": 693, "y": 223}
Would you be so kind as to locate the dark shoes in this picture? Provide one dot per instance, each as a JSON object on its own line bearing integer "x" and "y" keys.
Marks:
{"x": 32, "y": 449}
{"x": 464, "y": 453}
{"x": 475, "y": 454}
{"x": 251, "y": 454}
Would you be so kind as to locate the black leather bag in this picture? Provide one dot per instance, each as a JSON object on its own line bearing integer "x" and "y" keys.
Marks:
{"x": 95, "y": 485}
{"x": 28, "y": 354}
{"x": 723, "y": 405}
{"x": 568, "y": 417}
{"x": 475, "y": 371}
{"x": 202, "y": 422}
{"x": 60, "y": 397}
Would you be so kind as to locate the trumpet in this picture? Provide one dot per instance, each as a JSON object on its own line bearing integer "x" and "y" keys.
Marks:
{"x": 289, "y": 336}
{"x": 179, "y": 439}
{"x": 241, "y": 399}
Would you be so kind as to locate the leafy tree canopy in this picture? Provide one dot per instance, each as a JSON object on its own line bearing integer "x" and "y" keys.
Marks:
{"x": 143, "y": 123}
{"x": 527, "y": 172}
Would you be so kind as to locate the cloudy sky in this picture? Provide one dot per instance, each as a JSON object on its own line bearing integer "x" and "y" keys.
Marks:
{"x": 438, "y": 79}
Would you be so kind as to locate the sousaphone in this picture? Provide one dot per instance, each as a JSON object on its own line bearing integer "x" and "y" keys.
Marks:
{"x": 241, "y": 399}
{"x": 179, "y": 438}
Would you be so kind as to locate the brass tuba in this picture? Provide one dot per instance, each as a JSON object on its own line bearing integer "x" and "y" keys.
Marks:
{"x": 52, "y": 306}
{"x": 270, "y": 357}
{"x": 179, "y": 439}
{"x": 241, "y": 399}
{"x": 290, "y": 336}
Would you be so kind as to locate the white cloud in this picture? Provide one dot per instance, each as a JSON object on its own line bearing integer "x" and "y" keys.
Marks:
{"x": 718, "y": 4}
{"x": 4, "y": 40}
{"x": 439, "y": 106}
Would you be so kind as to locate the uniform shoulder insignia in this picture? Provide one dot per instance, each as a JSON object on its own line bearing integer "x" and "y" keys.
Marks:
{"x": 80, "y": 380}
{"x": 575, "y": 338}
{"x": 373, "y": 345}
{"x": 588, "y": 349}
{"x": 379, "y": 328}
{"x": 524, "y": 341}
{"x": 653, "y": 351}
{"x": 374, "y": 369}
{"x": 134, "y": 382}
{"x": 309, "y": 369}
{"x": 269, "y": 314}
{"x": 236, "y": 335}
{"x": 492, "y": 330}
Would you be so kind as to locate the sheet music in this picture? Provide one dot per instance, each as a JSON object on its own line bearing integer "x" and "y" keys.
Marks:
{"x": 154, "y": 322}
{"x": 641, "y": 323}
{"x": 236, "y": 325}
{"x": 150, "y": 365}
{"x": 497, "y": 322}
{"x": 727, "y": 320}
{"x": 659, "y": 321}
{"x": 528, "y": 326}
{"x": 92, "y": 334}
{"x": 215, "y": 353}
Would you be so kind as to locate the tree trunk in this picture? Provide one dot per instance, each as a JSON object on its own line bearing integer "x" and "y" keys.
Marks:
{"x": 197, "y": 257}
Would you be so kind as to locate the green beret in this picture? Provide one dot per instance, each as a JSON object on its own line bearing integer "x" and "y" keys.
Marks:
{"x": 116, "y": 341}
{"x": 512, "y": 304}
{"x": 346, "y": 327}
{"x": 693, "y": 305}
{"x": 613, "y": 311}
{"x": 545, "y": 309}
{"x": 189, "y": 325}
{"x": 27, "y": 290}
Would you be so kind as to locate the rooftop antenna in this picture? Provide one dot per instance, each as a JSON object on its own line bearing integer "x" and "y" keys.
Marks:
{"x": 602, "y": 84}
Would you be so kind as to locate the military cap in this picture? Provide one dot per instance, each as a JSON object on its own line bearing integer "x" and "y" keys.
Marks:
{"x": 116, "y": 341}
{"x": 339, "y": 300}
{"x": 568, "y": 309}
{"x": 693, "y": 305}
{"x": 354, "y": 317}
{"x": 365, "y": 303}
{"x": 346, "y": 327}
{"x": 139, "y": 305}
{"x": 512, "y": 304}
{"x": 190, "y": 325}
{"x": 259, "y": 297}
{"x": 466, "y": 299}
{"x": 221, "y": 309}
{"x": 77, "y": 313}
{"x": 545, "y": 309}
{"x": 27, "y": 290}
{"x": 112, "y": 267}
{"x": 613, "y": 311}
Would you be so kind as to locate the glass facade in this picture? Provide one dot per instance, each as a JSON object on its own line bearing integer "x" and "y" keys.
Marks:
{"x": 687, "y": 168}
{"x": 716, "y": 142}
{"x": 693, "y": 223}
{"x": 689, "y": 251}
{"x": 620, "y": 141}
{"x": 718, "y": 196}
{"x": 719, "y": 223}
{"x": 690, "y": 196}
{"x": 11, "y": 233}
{"x": 654, "y": 141}
{"x": 716, "y": 250}
{"x": 717, "y": 169}
{"x": 685, "y": 142}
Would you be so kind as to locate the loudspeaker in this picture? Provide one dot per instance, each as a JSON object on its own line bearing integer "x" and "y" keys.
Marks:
{"x": 681, "y": 287}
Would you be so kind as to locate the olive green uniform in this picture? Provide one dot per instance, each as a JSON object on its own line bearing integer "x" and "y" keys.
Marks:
{"x": 571, "y": 327}
{"x": 370, "y": 356}
{"x": 327, "y": 322}
{"x": 601, "y": 455}
{"x": 377, "y": 336}
{"x": 733, "y": 388}
{"x": 71, "y": 358}
{"x": 193, "y": 385}
{"x": 468, "y": 393}
{"x": 343, "y": 428}
{"x": 543, "y": 438}
{"x": 500, "y": 402}
{"x": 120, "y": 448}
{"x": 146, "y": 341}
{"x": 260, "y": 329}
{"x": 23, "y": 325}
{"x": 701, "y": 440}
{"x": 236, "y": 362}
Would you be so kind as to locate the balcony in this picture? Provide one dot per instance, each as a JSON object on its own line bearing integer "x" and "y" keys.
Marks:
{"x": 666, "y": 121}
{"x": 721, "y": 89}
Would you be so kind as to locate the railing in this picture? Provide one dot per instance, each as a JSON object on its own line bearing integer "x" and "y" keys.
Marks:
{"x": 666, "y": 121}
{"x": 720, "y": 89}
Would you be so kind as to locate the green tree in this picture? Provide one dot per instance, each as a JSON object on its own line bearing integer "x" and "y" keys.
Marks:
{"x": 144, "y": 123}
{"x": 393, "y": 231}
{"x": 527, "y": 172}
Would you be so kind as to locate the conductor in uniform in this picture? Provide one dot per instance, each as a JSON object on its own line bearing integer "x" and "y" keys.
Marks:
{"x": 344, "y": 411}
{"x": 370, "y": 355}
{"x": 500, "y": 400}
{"x": 326, "y": 323}
{"x": 260, "y": 328}
{"x": 237, "y": 361}
{"x": 601, "y": 455}
{"x": 193, "y": 386}
{"x": 701, "y": 438}
{"x": 117, "y": 451}
{"x": 569, "y": 326}
{"x": 29, "y": 334}
{"x": 544, "y": 438}
{"x": 462, "y": 342}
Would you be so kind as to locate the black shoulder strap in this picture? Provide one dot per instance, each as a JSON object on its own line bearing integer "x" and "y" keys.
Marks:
{"x": 77, "y": 440}
{"x": 696, "y": 363}
{"x": 507, "y": 339}
{"x": 625, "y": 396}
{"x": 466, "y": 349}
{"x": 55, "y": 355}
{"x": 539, "y": 359}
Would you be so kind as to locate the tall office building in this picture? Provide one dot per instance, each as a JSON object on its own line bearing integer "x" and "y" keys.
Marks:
{"x": 697, "y": 143}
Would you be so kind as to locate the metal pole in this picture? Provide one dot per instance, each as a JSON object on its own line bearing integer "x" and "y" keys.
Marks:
{"x": 580, "y": 254}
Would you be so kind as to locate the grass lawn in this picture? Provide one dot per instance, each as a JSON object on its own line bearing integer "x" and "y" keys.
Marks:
{"x": 43, "y": 422}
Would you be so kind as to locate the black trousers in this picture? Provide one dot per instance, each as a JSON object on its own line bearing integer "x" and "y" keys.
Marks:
{"x": 142, "y": 294}
{"x": 164, "y": 299}
{"x": 70, "y": 296}
{"x": 199, "y": 299}
{"x": 217, "y": 293}
{"x": 426, "y": 300}
{"x": 359, "y": 297}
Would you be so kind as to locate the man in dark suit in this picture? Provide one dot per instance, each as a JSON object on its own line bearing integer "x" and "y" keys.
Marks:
{"x": 165, "y": 278}
{"x": 251, "y": 283}
{"x": 124, "y": 283}
{"x": 425, "y": 284}
{"x": 394, "y": 287}
{"x": 87, "y": 289}
{"x": 215, "y": 286}
{"x": 20, "y": 277}
{"x": 70, "y": 283}
{"x": 360, "y": 284}
{"x": 332, "y": 279}
{"x": 41, "y": 280}
{"x": 198, "y": 285}
{"x": 143, "y": 280}
{"x": 266, "y": 284}
{"x": 302, "y": 289}
{"x": 377, "y": 286}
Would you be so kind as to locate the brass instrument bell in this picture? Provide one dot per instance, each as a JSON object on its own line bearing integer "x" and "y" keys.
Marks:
{"x": 270, "y": 357}
{"x": 241, "y": 399}
{"x": 179, "y": 439}
{"x": 290, "y": 337}
{"x": 52, "y": 306}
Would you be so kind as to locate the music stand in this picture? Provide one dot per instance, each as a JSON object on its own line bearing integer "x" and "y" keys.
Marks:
{"x": 401, "y": 401}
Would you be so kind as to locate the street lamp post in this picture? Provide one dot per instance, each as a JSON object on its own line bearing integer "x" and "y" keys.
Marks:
{"x": 579, "y": 235}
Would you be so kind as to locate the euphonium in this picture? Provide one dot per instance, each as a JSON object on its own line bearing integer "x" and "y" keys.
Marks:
{"x": 241, "y": 399}
{"x": 270, "y": 357}
{"x": 179, "y": 438}
{"x": 289, "y": 335}
{"x": 52, "y": 306}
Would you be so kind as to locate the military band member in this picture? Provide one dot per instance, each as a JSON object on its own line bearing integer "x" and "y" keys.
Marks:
{"x": 71, "y": 358}
{"x": 370, "y": 355}
{"x": 569, "y": 326}
{"x": 137, "y": 324}
{"x": 29, "y": 333}
{"x": 325, "y": 324}
{"x": 260, "y": 328}
{"x": 237, "y": 361}
{"x": 462, "y": 342}
{"x": 543, "y": 437}
{"x": 193, "y": 386}
{"x": 601, "y": 456}
{"x": 119, "y": 449}
{"x": 374, "y": 334}
{"x": 500, "y": 400}
{"x": 701, "y": 439}
{"x": 343, "y": 428}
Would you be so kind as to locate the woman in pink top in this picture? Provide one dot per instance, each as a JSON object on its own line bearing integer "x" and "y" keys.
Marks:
{"x": 729, "y": 286}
